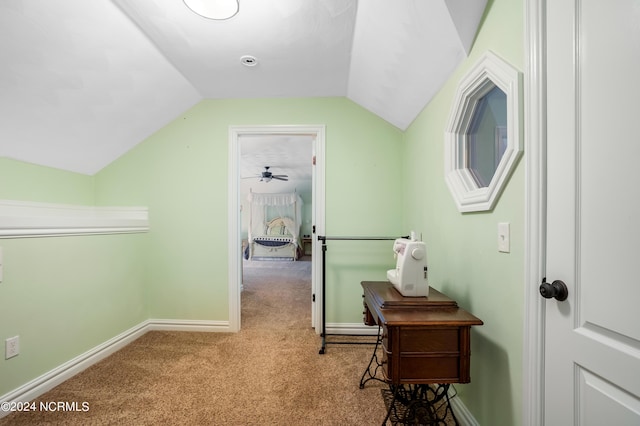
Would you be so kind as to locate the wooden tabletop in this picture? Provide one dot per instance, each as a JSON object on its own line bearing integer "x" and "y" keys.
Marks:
{"x": 392, "y": 308}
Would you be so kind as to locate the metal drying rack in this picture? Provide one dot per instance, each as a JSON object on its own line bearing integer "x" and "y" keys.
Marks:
{"x": 324, "y": 240}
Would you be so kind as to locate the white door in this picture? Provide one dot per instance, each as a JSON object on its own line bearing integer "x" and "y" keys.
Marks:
{"x": 592, "y": 343}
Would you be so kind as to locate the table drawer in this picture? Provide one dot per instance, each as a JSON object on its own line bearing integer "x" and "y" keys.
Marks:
{"x": 424, "y": 355}
{"x": 423, "y": 369}
{"x": 428, "y": 339}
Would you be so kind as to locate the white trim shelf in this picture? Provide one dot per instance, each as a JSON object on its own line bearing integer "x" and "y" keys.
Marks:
{"x": 22, "y": 219}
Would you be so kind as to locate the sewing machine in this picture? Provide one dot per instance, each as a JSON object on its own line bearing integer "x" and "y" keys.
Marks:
{"x": 410, "y": 275}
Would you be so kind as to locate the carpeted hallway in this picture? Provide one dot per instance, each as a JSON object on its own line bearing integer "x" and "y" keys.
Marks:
{"x": 270, "y": 373}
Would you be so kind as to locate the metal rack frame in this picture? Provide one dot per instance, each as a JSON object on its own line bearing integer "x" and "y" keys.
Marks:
{"x": 324, "y": 240}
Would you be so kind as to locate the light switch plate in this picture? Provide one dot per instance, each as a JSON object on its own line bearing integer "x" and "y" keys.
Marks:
{"x": 504, "y": 237}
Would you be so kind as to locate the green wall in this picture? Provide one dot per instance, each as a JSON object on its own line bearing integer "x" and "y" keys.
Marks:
{"x": 464, "y": 261}
{"x": 181, "y": 174}
{"x": 63, "y": 295}
{"x": 28, "y": 182}
{"x": 66, "y": 295}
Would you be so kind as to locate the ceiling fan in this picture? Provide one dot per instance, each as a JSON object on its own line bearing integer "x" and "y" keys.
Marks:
{"x": 266, "y": 176}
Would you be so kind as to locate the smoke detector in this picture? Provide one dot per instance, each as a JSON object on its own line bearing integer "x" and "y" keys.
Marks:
{"x": 249, "y": 61}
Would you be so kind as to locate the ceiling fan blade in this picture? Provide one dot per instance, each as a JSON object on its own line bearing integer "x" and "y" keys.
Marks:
{"x": 266, "y": 175}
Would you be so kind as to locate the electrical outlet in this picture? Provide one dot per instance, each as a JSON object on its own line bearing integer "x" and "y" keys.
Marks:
{"x": 11, "y": 347}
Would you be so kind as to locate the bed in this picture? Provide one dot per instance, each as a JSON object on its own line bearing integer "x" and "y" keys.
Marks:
{"x": 274, "y": 227}
{"x": 277, "y": 242}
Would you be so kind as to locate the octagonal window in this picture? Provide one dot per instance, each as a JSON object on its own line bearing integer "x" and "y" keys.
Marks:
{"x": 483, "y": 135}
{"x": 487, "y": 136}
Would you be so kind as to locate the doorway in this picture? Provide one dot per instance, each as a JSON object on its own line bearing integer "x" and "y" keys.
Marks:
{"x": 236, "y": 135}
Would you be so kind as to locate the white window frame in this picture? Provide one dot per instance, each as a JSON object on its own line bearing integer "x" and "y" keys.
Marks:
{"x": 489, "y": 71}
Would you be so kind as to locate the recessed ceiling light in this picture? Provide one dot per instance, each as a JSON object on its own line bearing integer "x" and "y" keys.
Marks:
{"x": 249, "y": 61}
{"x": 214, "y": 9}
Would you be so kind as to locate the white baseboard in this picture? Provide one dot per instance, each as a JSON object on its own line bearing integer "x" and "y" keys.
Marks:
{"x": 464, "y": 416}
{"x": 58, "y": 375}
{"x": 188, "y": 325}
{"x": 356, "y": 328}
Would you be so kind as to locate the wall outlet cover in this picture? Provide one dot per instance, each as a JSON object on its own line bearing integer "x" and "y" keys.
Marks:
{"x": 11, "y": 347}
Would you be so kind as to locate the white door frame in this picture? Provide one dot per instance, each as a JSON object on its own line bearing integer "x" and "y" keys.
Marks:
{"x": 535, "y": 211}
{"x": 233, "y": 204}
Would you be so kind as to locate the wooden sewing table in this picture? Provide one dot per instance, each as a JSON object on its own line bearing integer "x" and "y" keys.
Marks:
{"x": 424, "y": 341}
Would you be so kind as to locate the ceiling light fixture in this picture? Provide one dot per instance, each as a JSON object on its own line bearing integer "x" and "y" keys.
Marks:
{"x": 214, "y": 9}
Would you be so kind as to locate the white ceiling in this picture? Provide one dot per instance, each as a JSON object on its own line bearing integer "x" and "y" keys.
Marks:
{"x": 290, "y": 155}
{"x": 82, "y": 82}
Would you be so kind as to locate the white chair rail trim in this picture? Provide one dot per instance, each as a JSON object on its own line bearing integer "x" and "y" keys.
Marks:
{"x": 22, "y": 219}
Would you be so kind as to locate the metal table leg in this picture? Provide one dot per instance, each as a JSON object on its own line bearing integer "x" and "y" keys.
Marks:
{"x": 418, "y": 405}
{"x": 371, "y": 372}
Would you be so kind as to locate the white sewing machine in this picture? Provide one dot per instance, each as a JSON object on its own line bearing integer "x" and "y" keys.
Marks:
{"x": 410, "y": 275}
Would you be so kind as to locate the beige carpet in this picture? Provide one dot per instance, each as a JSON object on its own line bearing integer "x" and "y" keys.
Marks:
{"x": 270, "y": 373}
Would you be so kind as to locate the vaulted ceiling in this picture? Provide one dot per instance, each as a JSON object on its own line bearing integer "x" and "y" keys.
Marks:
{"x": 82, "y": 82}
